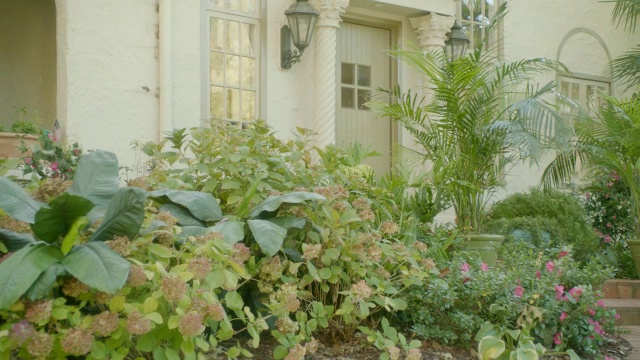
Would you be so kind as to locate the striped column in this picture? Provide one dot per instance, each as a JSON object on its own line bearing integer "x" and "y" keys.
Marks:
{"x": 326, "y": 45}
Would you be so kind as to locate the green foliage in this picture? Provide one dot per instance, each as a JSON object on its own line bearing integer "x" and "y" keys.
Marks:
{"x": 546, "y": 219}
{"x": 50, "y": 158}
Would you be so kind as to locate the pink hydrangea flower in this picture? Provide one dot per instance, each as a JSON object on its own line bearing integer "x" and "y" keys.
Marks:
{"x": 607, "y": 239}
{"x": 550, "y": 266}
{"x": 484, "y": 267}
{"x": 617, "y": 316}
{"x": 465, "y": 267}
{"x": 563, "y": 316}
{"x": 592, "y": 312}
{"x": 54, "y": 166}
{"x": 559, "y": 291}
{"x": 562, "y": 254}
{"x": 519, "y": 291}
{"x": 557, "y": 338}
{"x": 576, "y": 292}
{"x": 600, "y": 303}
{"x": 538, "y": 274}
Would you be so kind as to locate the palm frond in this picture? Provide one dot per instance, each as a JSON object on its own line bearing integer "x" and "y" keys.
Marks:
{"x": 625, "y": 12}
{"x": 626, "y": 68}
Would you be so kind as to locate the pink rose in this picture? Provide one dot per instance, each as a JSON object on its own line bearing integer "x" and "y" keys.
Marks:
{"x": 54, "y": 166}
{"x": 550, "y": 265}
{"x": 538, "y": 274}
{"x": 562, "y": 254}
{"x": 27, "y": 161}
{"x": 559, "y": 291}
{"x": 617, "y": 316}
{"x": 519, "y": 291}
{"x": 563, "y": 316}
{"x": 592, "y": 312}
{"x": 484, "y": 267}
{"x": 607, "y": 239}
{"x": 465, "y": 267}
{"x": 576, "y": 292}
{"x": 600, "y": 303}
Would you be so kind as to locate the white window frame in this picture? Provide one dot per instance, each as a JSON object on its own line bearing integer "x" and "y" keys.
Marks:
{"x": 208, "y": 11}
{"x": 467, "y": 25}
{"x": 583, "y": 81}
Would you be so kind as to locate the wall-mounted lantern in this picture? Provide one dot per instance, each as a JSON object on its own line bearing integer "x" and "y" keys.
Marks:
{"x": 456, "y": 43}
{"x": 302, "y": 20}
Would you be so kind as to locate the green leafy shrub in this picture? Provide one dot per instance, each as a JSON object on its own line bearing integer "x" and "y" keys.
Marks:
{"x": 455, "y": 306}
{"x": 545, "y": 218}
{"x": 50, "y": 158}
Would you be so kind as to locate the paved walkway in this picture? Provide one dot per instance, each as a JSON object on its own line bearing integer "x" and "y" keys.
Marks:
{"x": 634, "y": 339}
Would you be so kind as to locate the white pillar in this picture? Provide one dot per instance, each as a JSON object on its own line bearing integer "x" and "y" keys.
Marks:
{"x": 432, "y": 30}
{"x": 326, "y": 47}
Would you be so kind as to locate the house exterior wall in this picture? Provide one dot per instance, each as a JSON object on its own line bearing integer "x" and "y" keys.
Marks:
{"x": 27, "y": 60}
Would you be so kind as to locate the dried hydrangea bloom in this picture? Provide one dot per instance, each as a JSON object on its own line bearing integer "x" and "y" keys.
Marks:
{"x": 167, "y": 218}
{"x": 429, "y": 264}
{"x": 164, "y": 238}
{"x": 287, "y": 326}
{"x": 102, "y": 298}
{"x": 173, "y": 288}
{"x": 191, "y": 324}
{"x": 339, "y": 206}
{"x": 200, "y": 267}
{"x": 389, "y": 227}
{"x": 361, "y": 204}
{"x": 332, "y": 192}
{"x": 20, "y": 332}
{"x": 312, "y": 346}
{"x": 198, "y": 305}
{"x": 137, "y": 277}
{"x": 296, "y": 353}
{"x": 73, "y": 287}
{"x": 310, "y": 252}
{"x": 77, "y": 342}
{"x": 40, "y": 345}
{"x": 272, "y": 269}
{"x": 374, "y": 252}
{"x": 414, "y": 354}
{"x": 137, "y": 324}
{"x": 360, "y": 290}
{"x": 104, "y": 323}
{"x": 51, "y": 188}
{"x": 366, "y": 215}
{"x": 288, "y": 295}
{"x": 241, "y": 253}
{"x": 120, "y": 244}
{"x": 420, "y": 246}
{"x": 212, "y": 236}
{"x": 140, "y": 182}
{"x": 14, "y": 225}
{"x": 39, "y": 311}
{"x": 215, "y": 311}
{"x": 383, "y": 272}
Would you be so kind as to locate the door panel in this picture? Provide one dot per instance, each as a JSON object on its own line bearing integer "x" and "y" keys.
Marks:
{"x": 363, "y": 67}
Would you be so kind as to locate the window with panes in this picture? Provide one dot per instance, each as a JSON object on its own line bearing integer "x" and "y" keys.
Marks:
{"x": 585, "y": 91}
{"x": 475, "y": 16}
{"x": 234, "y": 49}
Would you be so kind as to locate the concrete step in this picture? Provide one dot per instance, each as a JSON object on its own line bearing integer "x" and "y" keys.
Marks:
{"x": 629, "y": 310}
{"x": 621, "y": 289}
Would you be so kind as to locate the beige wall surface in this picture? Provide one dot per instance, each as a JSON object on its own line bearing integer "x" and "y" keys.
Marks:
{"x": 27, "y": 60}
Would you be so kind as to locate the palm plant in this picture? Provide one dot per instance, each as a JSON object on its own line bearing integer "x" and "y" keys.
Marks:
{"x": 482, "y": 118}
{"x": 626, "y": 68}
{"x": 608, "y": 141}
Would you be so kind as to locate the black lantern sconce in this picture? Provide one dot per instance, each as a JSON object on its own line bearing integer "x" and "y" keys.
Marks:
{"x": 302, "y": 20}
{"x": 456, "y": 43}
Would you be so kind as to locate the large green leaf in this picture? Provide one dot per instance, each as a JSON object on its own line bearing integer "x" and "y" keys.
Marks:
{"x": 15, "y": 241}
{"x": 124, "y": 215}
{"x": 96, "y": 177}
{"x": 22, "y": 268}
{"x": 97, "y": 266}
{"x": 45, "y": 282}
{"x": 289, "y": 222}
{"x": 54, "y": 222}
{"x": 16, "y": 202}
{"x": 268, "y": 235}
{"x": 272, "y": 203}
{"x": 490, "y": 348}
{"x": 203, "y": 206}
{"x": 233, "y": 231}
{"x": 184, "y": 217}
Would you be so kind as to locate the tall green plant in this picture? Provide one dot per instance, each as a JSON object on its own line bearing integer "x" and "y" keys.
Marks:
{"x": 607, "y": 141}
{"x": 626, "y": 67}
{"x": 481, "y": 118}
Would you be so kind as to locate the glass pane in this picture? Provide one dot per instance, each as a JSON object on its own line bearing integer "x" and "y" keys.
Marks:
{"x": 249, "y": 6}
{"x": 347, "y": 97}
{"x": 364, "y": 75}
{"x": 575, "y": 92}
{"x": 348, "y": 73}
{"x": 363, "y": 97}
{"x": 233, "y": 104}
{"x": 233, "y": 70}
{"x": 217, "y": 68}
{"x": 246, "y": 39}
{"x": 233, "y": 36}
{"x": 217, "y": 34}
{"x": 465, "y": 11}
{"x": 217, "y": 102}
{"x": 477, "y": 35}
{"x": 233, "y": 5}
{"x": 489, "y": 9}
{"x": 248, "y": 73}
{"x": 304, "y": 23}
{"x": 216, "y": 3}
{"x": 478, "y": 12}
{"x": 248, "y": 105}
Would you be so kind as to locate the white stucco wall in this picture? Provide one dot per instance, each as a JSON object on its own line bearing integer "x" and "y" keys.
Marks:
{"x": 27, "y": 60}
{"x": 109, "y": 73}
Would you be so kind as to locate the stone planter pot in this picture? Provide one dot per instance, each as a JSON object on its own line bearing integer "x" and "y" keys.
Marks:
{"x": 486, "y": 245}
{"x": 10, "y": 143}
{"x": 634, "y": 247}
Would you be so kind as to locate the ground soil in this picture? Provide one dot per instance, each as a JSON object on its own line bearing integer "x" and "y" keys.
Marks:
{"x": 616, "y": 348}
